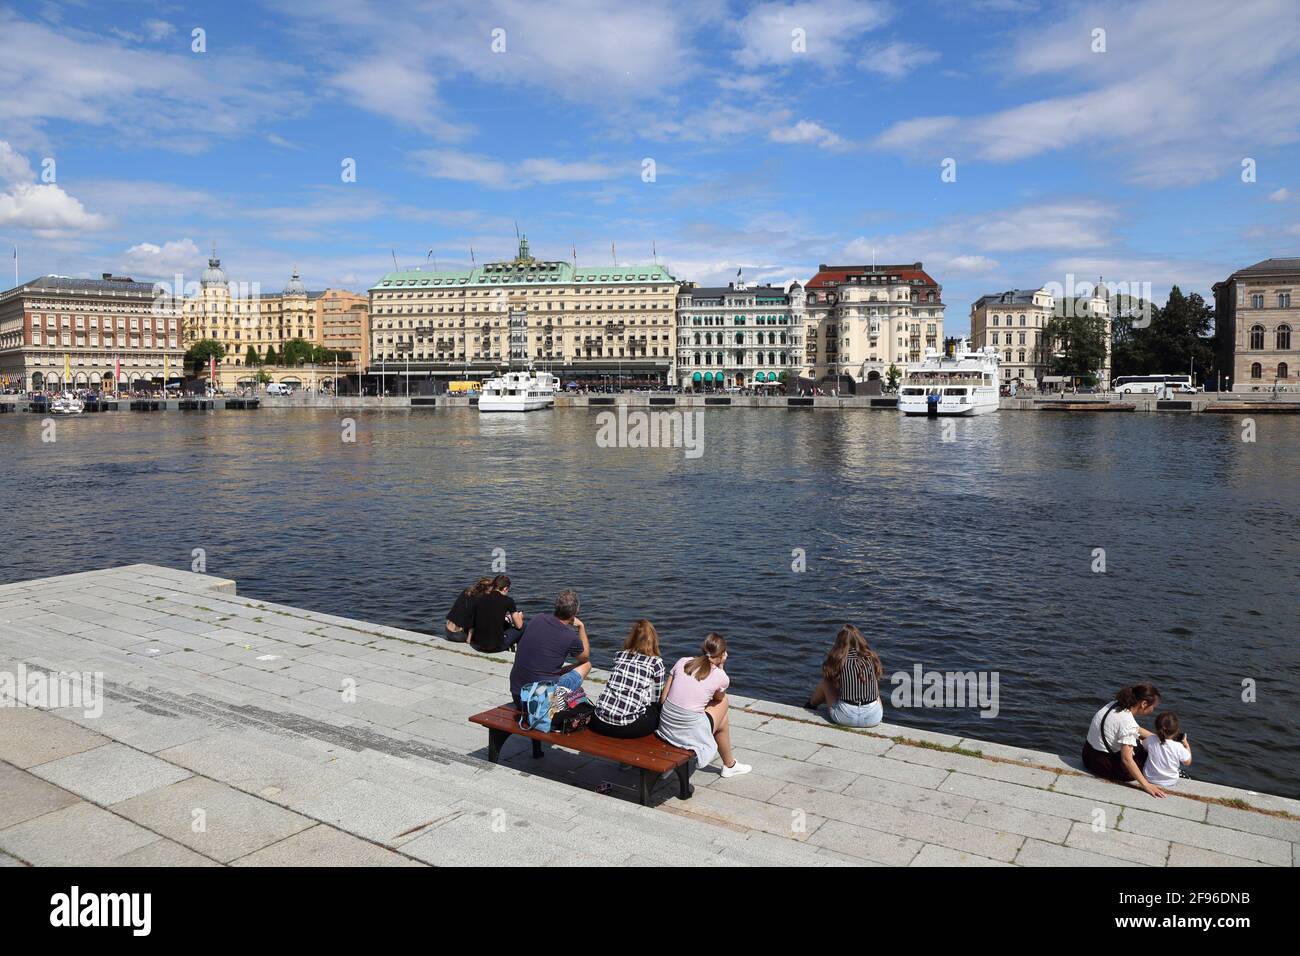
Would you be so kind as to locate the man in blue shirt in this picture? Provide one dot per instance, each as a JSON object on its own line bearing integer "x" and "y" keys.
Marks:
{"x": 547, "y": 643}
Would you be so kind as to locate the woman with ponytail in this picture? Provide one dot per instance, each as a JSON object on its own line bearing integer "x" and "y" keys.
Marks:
{"x": 1114, "y": 746}
{"x": 694, "y": 712}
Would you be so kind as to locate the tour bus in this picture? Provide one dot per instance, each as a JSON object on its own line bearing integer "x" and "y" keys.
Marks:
{"x": 1132, "y": 384}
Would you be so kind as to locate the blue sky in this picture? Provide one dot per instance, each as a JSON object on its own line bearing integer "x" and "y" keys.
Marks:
{"x": 782, "y": 135}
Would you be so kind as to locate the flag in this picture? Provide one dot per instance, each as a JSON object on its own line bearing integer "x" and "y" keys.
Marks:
{"x": 67, "y": 370}
{"x": 471, "y": 256}
{"x": 212, "y": 371}
{"x": 740, "y": 270}
{"x": 117, "y": 373}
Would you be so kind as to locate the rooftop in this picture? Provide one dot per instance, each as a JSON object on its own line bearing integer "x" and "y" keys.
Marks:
{"x": 830, "y": 276}
{"x": 1271, "y": 267}
{"x": 233, "y": 704}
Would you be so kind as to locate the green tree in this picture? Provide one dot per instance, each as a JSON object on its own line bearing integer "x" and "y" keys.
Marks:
{"x": 263, "y": 376}
{"x": 891, "y": 377}
{"x": 1172, "y": 338}
{"x": 296, "y": 351}
{"x": 198, "y": 354}
{"x": 1078, "y": 340}
{"x": 270, "y": 355}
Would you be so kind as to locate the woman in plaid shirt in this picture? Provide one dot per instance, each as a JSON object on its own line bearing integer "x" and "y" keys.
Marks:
{"x": 629, "y": 704}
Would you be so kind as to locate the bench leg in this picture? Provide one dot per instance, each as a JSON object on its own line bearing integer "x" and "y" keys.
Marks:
{"x": 537, "y": 750}
{"x": 647, "y": 784}
{"x": 495, "y": 739}
{"x": 684, "y": 780}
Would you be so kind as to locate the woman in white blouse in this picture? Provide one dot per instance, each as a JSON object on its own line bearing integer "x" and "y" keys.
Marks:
{"x": 1114, "y": 746}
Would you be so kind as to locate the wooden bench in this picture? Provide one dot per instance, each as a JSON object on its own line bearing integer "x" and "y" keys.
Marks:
{"x": 650, "y": 755}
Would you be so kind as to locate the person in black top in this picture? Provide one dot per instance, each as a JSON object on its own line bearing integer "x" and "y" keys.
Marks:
{"x": 458, "y": 618}
{"x": 491, "y": 614}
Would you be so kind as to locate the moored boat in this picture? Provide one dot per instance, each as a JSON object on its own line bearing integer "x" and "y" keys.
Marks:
{"x": 965, "y": 384}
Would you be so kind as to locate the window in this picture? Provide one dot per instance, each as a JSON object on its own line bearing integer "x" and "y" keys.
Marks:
{"x": 1284, "y": 338}
{"x": 1281, "y": 370}
{"x": 1284, "y": 300}
{"x": 1256, "y": 370}
{"x": 1257, "y": 300}
{"x": 1257, "y": 337}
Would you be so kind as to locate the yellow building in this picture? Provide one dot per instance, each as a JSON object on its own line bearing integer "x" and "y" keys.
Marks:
{"x": 245, "y": 320}
{"x": 590, "y": 323}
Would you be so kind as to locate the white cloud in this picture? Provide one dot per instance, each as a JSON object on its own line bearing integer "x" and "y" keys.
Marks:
{"x": 404, "y": 92}
{"x": 42, "y": 208}
{"x": 1279, "y": 195}
{"x": 807, "y": 131}
{"x": 1147, "y": 104}
{"x": 896, "y": 60}
{"x": 14, "y": 167}
{"x": 495, "y": 174}
{"x": 153, "y": 261}
{"x": 172, "y": 100}
{"x": 830, "y": 30}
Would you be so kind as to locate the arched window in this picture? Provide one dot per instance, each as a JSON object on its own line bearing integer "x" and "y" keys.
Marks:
{"x": 1257, "y": 336}
{"x": 697, "y": 338}
{"x": 1257, "y": 371}
{"x": 1284, "y": 338}
{"x": 1282, "y": 370}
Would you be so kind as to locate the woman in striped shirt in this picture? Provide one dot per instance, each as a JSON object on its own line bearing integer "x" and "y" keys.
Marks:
{"x": 850, "y": 684}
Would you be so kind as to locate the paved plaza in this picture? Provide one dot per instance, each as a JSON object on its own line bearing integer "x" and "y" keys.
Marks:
{"x": 239, "y": 732}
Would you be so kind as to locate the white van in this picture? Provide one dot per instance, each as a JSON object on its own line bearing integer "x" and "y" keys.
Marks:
{"x": 275, "y": 388}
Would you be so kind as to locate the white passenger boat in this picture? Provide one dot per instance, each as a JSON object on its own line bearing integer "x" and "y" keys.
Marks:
{"x": 518, "y": 392}
{"x": 67, "y": 404}
{"x": 966, "y": 384}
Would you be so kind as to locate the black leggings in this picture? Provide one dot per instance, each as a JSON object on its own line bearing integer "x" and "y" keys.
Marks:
{"x": 643, "y": 726}
{"x": 1111, "y": 765}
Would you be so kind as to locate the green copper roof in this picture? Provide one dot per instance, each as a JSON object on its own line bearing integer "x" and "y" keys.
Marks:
{"x": 521, "y": 271}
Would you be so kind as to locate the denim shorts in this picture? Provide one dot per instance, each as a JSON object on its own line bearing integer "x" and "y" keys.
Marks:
{"x": 570, "y": 680}
{"x": 856, "y": 715}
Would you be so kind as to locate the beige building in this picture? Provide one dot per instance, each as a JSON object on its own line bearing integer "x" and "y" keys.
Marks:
{"x": 59, "y": 332}
{"x": 1013, "y": 322}
{"x": 590, "y": 323}
{"x": 343, "y": 319}
{"x": 1256, "y": 326}
{"x": 244, "y": 318}
{"x": 863, "y": 319}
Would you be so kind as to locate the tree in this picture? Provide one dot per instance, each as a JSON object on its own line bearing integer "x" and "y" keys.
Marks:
{"x": 263, "y": 376}
{"x": 270, "y": 355}
{"x": 891, "y": 377}
{"x": 1175, "y": 339}
{"x": 296, "y": 351}
{"x": 1077, "y": 341}
{"x": 201, "y": 351}
{"x": 250, "y": 357}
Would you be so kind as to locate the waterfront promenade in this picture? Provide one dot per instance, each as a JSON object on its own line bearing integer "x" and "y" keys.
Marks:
{"x": 241, "y": 732}
{"x": 1244, "y": 403}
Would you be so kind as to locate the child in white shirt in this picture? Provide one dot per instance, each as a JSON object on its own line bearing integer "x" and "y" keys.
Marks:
{"x": 1168, "y": 751}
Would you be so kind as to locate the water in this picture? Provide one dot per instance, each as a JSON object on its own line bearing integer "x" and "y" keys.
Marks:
{"x": 974, "y": 554}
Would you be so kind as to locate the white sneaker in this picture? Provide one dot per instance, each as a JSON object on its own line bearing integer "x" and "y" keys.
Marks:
{"x": 736, "y": 769}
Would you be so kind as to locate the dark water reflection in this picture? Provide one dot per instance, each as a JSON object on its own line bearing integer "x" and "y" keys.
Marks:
{"x": 969, "y": 554}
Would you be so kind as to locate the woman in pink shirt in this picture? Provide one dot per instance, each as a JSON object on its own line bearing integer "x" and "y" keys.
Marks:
{"x": 694, "y": 713}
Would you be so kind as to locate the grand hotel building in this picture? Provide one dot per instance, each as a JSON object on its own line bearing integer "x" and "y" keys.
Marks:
{"x": 581, "y": 323}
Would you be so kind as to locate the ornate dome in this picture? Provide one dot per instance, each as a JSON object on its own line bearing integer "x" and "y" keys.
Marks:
{"x": 295, "y": 286}
{"x": 214, "y": 275}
